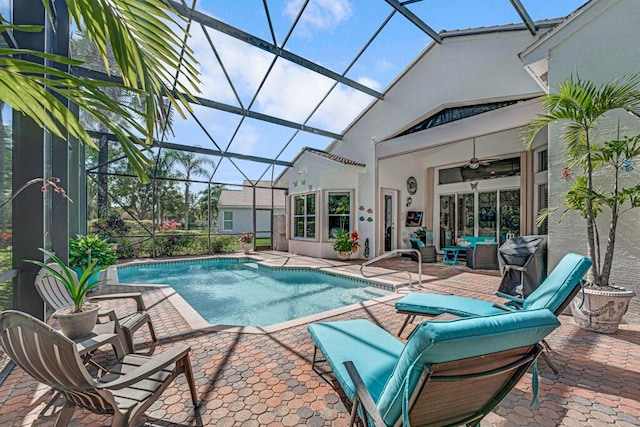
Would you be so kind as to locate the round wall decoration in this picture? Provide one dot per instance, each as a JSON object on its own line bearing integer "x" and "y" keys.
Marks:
{"x": 412, "y": 185}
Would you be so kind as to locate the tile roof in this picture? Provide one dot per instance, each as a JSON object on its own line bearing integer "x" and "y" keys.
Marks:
{"x": 334, "y": 157}
{"x": 244, "y": 196}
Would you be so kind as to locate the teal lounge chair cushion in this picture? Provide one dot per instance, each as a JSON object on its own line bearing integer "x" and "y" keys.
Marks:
{"x": 372, "y": 349}
{"x": 551, "y": 294}
{"x": 387, "y": 366}
{"x": 558, "y": 285}
{"x": 435, "y": 342}
{"x": 436, "y": 304}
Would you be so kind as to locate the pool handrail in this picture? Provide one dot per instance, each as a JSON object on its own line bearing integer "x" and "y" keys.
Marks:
{"x": 387, "y": 255}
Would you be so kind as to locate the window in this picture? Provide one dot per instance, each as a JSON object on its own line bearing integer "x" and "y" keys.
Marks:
{"x": 543, "y": 202}
{"x": 453, "y": 114}
{"x": 304, "y": 216}
{"x": 227, "y": 221}
{"x": 496, "y": 169}
{"x": 543, "y": 161}
{"x": 339, "y": 213}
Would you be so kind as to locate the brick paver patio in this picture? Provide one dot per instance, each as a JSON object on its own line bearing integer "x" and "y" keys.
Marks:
{"x": 266, "y": 379}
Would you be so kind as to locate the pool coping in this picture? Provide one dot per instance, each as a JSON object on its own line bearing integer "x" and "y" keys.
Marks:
{"x": 197, "y": 323}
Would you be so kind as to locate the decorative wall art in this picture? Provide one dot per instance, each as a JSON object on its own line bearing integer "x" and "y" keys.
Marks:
{"x": 412, "y": 185}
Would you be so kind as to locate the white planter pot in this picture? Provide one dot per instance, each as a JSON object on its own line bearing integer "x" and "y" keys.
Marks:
{"x": 76, "y": 325}
{"x": 246, "y": 247}
{"x": 602, "y": 310}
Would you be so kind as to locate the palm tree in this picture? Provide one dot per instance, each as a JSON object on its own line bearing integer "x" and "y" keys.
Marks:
{"x": 150, "y": 55}
{"x": 210, "y": 200}
{"x": 581, "y": 105}
{"x": 193, "y": 166}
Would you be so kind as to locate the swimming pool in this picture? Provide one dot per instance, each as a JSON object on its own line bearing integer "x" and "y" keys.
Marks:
{"x": 239, "y": 292}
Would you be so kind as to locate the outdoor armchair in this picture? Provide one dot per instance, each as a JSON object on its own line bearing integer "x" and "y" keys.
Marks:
{"x": 448, "y": 373}
{"x": 126, "y": 391}
{"x": 55, "y": 295}
{"x": 483, "y": 256}
{"x": 428, "y": 253}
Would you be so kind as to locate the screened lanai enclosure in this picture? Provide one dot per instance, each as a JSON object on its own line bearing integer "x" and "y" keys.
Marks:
{"x": 274, "y": 77}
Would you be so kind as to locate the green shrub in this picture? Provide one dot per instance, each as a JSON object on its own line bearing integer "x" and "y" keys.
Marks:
{"x": 222, "y": 243}
{"x": 83, "y": 250}
{"x": 113, "y": 226}
{"x": 171, "y": 245}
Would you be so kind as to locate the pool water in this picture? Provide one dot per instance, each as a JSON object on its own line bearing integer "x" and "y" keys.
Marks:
{"x": 246, "y": 294}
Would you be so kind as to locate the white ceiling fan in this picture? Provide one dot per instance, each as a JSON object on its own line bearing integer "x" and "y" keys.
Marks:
{"x": 475, "y": 162}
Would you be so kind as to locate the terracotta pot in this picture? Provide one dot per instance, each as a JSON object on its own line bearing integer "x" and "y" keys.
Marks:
{"x": 344, "y": 256}
{"x": 602, "y": 310}
{"x": 246, "y": 247}
{"x": 76, "y": 325}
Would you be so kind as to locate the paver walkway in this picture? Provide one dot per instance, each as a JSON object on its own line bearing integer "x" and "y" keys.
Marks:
{"x": 266, "y": 379}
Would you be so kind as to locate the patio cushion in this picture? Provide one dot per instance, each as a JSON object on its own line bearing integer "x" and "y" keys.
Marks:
{"x": 436, "y": 342}
{"x": 417, "y": 241}
{"x": 558, "y": 285}
{"x": 472, "y": 241}
{"x": 372, "y": 349}
{"x": 435, "y": 304}
{"x": 551, "y": 294}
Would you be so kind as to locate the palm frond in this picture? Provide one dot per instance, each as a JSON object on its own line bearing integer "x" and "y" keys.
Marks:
{"x": 148, "y": 40}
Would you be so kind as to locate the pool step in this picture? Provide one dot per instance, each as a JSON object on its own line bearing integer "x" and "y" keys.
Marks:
{"x": 253, "y": 265}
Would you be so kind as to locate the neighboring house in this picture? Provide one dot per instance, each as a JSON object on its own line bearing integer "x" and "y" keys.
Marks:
{"x": 466, "y": 97}
{"x": 235, "y": 209}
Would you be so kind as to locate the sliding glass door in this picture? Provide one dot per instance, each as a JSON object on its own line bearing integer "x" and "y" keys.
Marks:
{"x": 484, "y": 213}
{"x": 487, "y": 213}
{"x": 447, "y": 235}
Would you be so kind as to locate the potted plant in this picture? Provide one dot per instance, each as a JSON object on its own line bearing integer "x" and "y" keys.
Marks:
{"x": 346, "y": 244}
{"x": 246, "y": 240}
{"x": 84, "y": 250}
{"x": 78, "y": 320}
{"x": 598, "y": 186}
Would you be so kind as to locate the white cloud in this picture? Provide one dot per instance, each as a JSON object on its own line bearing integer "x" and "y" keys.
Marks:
{"x": 245, "y": 140}
{"x": 320, "y": 14}
{"x": 291, "y": 92}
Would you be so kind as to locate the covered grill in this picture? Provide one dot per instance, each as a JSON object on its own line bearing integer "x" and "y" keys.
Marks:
{"x": 523, "y": 264}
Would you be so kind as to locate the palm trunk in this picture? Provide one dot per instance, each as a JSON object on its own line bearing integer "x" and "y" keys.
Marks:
{"x": 611, "y": 240}
{"x": 186, "y": 206}
{"x": 594, "y": 273}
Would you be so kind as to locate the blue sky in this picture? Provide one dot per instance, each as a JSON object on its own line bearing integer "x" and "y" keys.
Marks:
{"x": 330, "y": 33}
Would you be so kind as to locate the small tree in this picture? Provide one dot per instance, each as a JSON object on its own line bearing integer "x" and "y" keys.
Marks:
{"x": 581, "y": 105}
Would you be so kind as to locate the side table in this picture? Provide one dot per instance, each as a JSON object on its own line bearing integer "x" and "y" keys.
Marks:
{"x": 450, "y": 255}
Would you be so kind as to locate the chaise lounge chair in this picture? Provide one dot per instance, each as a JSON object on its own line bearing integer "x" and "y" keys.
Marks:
{"x": 555, "y": 293}
{"x": 448, "y": 373}
{"x": 55, "y": 295}
{"x": 126, "y": 391}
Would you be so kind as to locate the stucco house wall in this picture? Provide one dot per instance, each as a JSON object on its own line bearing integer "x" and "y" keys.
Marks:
{"x": 463, "y": 70}
{"x": 599, "y": 43}
{"x": 243, "y": 220}
{"x": 314, "y": 174}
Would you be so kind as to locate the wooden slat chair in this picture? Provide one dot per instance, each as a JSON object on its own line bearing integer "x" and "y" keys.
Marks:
{"x": 56, "y": 296}
{"x": 126, "y": 391}
{"x": 448, "y": 373}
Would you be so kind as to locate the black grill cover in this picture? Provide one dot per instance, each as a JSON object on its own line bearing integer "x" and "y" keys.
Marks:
{"x": 527, "y": 251}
